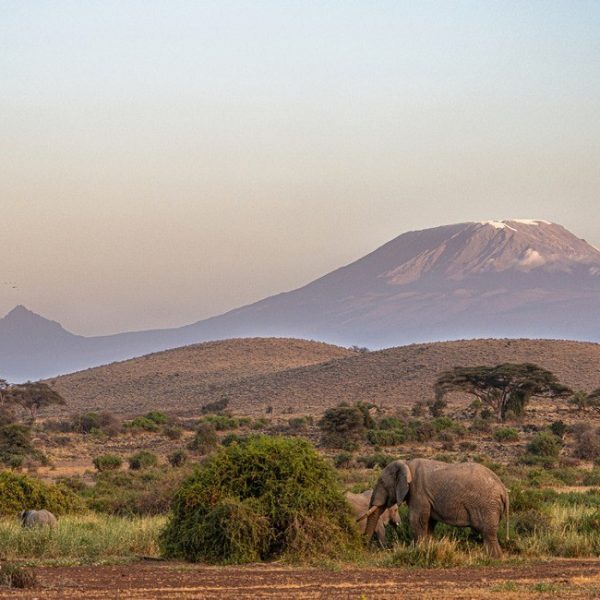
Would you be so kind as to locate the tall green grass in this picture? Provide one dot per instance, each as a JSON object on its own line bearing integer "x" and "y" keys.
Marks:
{"x": 84, "y": 539}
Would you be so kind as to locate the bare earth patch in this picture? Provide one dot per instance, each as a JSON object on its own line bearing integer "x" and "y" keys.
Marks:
{"x": 557, "y": 578}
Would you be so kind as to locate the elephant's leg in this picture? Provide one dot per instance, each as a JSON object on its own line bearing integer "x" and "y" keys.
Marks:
{"x": 490, "y": 541}
{"x": 431, "y": 526}
{"x": 380, "y": 531}
{"x": 419, "y": 523}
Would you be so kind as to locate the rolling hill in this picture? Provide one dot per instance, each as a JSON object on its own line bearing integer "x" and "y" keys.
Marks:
{"x": 300, "y": 377}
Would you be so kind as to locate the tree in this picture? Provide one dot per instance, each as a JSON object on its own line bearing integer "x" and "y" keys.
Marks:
{"x": 32, "y": 396}
{"x": 505, "y": 388}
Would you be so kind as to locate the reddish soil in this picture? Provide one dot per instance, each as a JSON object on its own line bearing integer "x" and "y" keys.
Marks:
{"x": 557, "y": 578}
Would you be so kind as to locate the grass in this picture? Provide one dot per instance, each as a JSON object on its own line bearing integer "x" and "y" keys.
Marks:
{"x": 84, "y": 539}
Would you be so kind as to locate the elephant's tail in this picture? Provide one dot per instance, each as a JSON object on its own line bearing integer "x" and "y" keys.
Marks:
{"x": 506, "y": 514}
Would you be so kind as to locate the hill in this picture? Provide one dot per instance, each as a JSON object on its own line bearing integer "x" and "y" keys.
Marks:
{"x": 299, "y": 377}
{"x": 183, "y": 379}
{"x": 514, "y": 278}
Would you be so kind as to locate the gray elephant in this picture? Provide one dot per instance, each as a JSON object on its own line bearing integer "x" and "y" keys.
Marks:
{"x": 38, "y": 518}
{"x": 360, "y": 503}
{"x": 462, "y": 494}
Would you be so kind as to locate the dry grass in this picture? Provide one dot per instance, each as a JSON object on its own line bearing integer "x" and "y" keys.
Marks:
{"x": 302, "y": 377}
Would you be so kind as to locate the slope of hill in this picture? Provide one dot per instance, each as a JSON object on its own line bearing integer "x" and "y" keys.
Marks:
{"x": 516, "y": 278}
{"x": 308, "y": 381}
{"x": 184, "y": 379}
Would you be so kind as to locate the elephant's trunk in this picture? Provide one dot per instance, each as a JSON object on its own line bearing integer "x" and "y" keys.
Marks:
{"x": 372, "y": 520}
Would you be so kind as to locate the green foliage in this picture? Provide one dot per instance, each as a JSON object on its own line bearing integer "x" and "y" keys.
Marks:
{"x": 107, "y": 462}
{"x": 343, "y": 426}
{"x": 262, "y": 498}
{"x": 583, "y": 402}
{"x": 173, "y": 432}
{"x": 343, "y": 460}
{"x": 20, "y": 492}
{"x": 375, "y": 460}
{"x": 558, "y": 428}
{"x": 143, "y": 423}
{"x": 93, "y": 422}
{"x": 221, "y": 422}
{"x": 15, "y": 445}
{"x": 157, "y": 417}
{"x": 544, "y": 444}
{"x": 32, "y": 396}
{"x": 386, "y": 437}
{"x": 178, "y": 458}
{"x": 142, "y": 460}
{"x": 506, "y": 434}
{"x": 134, "y": 493}
{"x": 530, "y": 521}
{"x": 447, "y": 424}
{"x": 205, "y": 439}
{"x": 436, "y": 407}
{"x": 505, "y": 388}
{"x": 300, "y": 423}
{"x": 592, "y": 477}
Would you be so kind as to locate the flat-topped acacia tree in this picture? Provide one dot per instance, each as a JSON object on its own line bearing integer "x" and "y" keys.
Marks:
{"x": 31, "y": 396}
{"x": 505, "y": 388}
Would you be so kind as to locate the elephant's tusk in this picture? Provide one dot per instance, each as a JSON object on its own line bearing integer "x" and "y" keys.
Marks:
{"x": 367, "y": 514}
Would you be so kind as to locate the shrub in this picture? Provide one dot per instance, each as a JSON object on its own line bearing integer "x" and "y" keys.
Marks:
{"x": 16, "y": 576}
{"x": 142, "y": 460}
{"x": 436, "y": 407}
{"x": 142, "y": 423}
{"x": 375, "y": 460}
{"x": 530, "y": 521}
{"x": 386, "y": 437}
{"x": 592, "y": 478}
{"x": 95, "y": 423}
{"x": 157, "y": 417}
{"x": 506, "y": 434}
{"x": 299, "y": 423}
{"x": 20, "y": 492}
{"x": 587, "y": 441}
{"x": 343, "y": 426}
{"x": 107, "y": 462}
{"x": 420, "y": 431}
{"x": 343, "y": 460}
{"x": 544, "y": 444}
{"x": 15, "y": 445}
{"x": 232, "y": 438}
{"x": 173, "y": 432}
{"x": 447, "y": 424}
{"x": 263, "y": 498}
{"x": 178, "y": 458}
{"x": 221, "y": 422}
{"x": 480, "y": 425}
{"x": 558, "y": 428}
{"x": 205, "y": 439}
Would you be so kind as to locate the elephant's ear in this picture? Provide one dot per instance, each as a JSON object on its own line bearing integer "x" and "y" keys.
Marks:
{"x": 403, "y": 481}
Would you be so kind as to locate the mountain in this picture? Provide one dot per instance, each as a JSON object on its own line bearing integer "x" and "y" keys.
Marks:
{"x": 301, "y": 377}
{"x": 514, "y": 278}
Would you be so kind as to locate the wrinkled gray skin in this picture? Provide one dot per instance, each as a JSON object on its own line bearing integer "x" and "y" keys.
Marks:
{"x": 360, "y": 504}
{"x": 38, "y": 518}
{"x": 463, "y": 494}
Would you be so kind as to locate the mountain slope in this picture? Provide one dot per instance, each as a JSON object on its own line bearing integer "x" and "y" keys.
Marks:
{"x": 516, "y": 278}
{"x": 311, "y": 378}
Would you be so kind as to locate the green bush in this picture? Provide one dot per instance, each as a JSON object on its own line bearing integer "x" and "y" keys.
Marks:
{"x": 260, "y": 499}
{"x": 107, "y": 462}
{"x": 386, "y": 437}
{"x": 20, "y": 492}
{"x": 506, "y": 434}
{"x": 173, "y": 432}
{"x": 544, "y": 444}
{"x": 592, "y": 478}
{"x": 142, "y": 460}
{"x": 15, "y": 445}
{"x": 157, "y": 417}
{"x": 205, "y": 439}
{"x": 343, "y": 460}
{"x": 178, "y": 458}
{"x": 142, "y": 423}
{"x": 221, "y": 422}
{"x": 375, "y": 460}
{"x": 95, "y": 423}
{"x": 343, "y": 426}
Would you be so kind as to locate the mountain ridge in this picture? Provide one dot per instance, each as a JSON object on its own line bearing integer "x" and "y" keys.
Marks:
{"x": 479, "y": 279}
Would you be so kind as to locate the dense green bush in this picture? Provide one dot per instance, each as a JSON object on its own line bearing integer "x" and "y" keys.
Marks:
{"x": 178, "y": 458}
{"x": 15, "y": 445}
{"x": 142, "y": 423}
{"x": 544, "y": 444}
{"x": 107, "y": 462}
{"x": 20, "y": 492}
{"x": 259, "y": 499}
{"x": 506, "y": 434}
{"x": 205, "y": 439}
{"x": 93, "y": 422}
{"x": 142, "y": 460}
{"x": 343, "y": 426}
{"x": 156, "y": 416}
{"x": 221, "y": 422}
{"x": 386, "y": 437}
{"x": 375, "y": 460}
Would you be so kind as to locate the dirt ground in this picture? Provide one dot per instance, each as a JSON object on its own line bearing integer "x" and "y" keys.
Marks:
{"x": 148, "y": 580}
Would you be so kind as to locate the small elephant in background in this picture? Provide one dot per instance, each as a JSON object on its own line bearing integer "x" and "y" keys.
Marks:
{"x": 360, "y": 503}
{"x": 38, "y": 518}
{"x": 463, "y": 494}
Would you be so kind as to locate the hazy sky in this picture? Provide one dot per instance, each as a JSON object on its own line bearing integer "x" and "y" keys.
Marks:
{"x": 161, "y": 162}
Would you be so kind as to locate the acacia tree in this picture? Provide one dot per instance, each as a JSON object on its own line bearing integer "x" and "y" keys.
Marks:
{"x": 32, "y": 396}
{"x": 505, "y": 388}
{"x": 582, "y": 401}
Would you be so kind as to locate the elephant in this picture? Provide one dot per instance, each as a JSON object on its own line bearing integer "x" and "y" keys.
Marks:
{"x": 38, "y": 518}
{"x": 462, "y": 494}
{"x": 360, "y": 503}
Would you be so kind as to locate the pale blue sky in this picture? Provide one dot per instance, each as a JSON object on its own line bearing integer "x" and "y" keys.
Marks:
{"x": 161, "y": 162}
